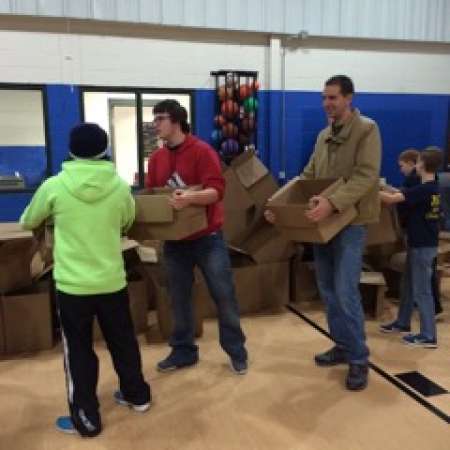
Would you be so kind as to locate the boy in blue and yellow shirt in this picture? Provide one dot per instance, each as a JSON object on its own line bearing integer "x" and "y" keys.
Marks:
{"x": 422, "y": 231}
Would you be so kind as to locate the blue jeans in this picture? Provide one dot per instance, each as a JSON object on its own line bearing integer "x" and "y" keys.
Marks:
{"x": 338, "y": 269}
{"x": 210, "y": 254}
{"x": 417, "y": 289}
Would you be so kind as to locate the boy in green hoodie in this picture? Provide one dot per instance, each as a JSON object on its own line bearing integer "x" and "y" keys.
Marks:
{"x": 91, "y": 206}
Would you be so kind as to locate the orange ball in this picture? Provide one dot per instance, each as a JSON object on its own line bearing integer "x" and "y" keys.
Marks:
{"x": 230, "y": 130}
{"x": 244, "y": 91}
{"x": 225, "y": 92}
{"x": 248, "y": 124}
{"x": 229, "y": 109}
{"x": 219, "y": 120}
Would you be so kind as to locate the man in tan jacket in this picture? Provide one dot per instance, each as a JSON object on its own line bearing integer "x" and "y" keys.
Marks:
{"x": 350, "y": 147}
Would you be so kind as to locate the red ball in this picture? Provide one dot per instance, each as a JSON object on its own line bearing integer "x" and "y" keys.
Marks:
{"x": 254, "y": 85}
{"x": 229, "y": 109}
{"x": 244, "y": 91}
{"x": 219, "y": 120}
{"x": 225, "y": 92}
{"x": 248, "y": 124}
{"x": 230, "y": 130}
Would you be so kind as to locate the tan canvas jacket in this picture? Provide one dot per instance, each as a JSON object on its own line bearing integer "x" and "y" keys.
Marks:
{"x": 355, "y": 155}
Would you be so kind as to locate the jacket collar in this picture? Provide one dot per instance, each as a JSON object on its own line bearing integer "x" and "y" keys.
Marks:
{"x": 343, "y": 134}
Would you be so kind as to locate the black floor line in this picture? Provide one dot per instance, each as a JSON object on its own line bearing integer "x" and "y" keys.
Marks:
{"x": 436, "y": 411}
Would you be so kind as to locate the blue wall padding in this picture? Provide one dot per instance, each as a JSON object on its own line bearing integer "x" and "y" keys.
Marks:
{"x": 12, "y": 205}
{"x": 29, "y": 161}
{"x": 64, "y": 113}
{"x": 405, "y": 120}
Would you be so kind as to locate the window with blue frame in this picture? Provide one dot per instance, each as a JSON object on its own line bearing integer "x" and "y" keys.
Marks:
{"x": 23, "y": 144}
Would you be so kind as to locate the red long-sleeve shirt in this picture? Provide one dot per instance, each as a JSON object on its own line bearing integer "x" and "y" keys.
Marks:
{"x": 195, "y": 163}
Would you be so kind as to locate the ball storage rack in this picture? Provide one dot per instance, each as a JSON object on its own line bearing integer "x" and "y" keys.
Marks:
{"x": 236, "y": 112}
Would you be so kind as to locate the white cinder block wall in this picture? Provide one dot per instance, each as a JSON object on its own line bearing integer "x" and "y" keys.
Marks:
{"x": 165, "y": 61}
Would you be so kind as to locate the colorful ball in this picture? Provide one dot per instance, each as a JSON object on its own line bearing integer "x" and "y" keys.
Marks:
{"x": 248, "y": 124}
{"x": 229, "y": 147}
{"x": 254, "y": 85}
{"x": 219, "y": 120}
{"x": 244, "y": 91}
{"x": 216, "y": 136}
{"x": 229, "y": 109}
{"x": 250, "y": 104}
{"x": 244, "y": 139}
{"x": 230, "y": 130}
{"x": 225, "y": 92}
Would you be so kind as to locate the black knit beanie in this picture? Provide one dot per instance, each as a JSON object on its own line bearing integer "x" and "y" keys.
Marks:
{"x": 88, "y": 141}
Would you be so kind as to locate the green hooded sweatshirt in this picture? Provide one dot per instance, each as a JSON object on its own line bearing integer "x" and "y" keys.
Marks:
{"x": 90, "y": 206}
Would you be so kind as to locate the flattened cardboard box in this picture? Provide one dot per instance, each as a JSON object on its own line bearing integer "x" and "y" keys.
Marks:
{"x": 291, "y": 202}
{"x": 27, "y": 321}
{"x": 387, "y": 230}
{"x": 157, "y": 220}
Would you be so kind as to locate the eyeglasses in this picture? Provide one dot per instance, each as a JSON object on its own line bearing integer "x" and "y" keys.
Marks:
{"x": 161, "y": 117}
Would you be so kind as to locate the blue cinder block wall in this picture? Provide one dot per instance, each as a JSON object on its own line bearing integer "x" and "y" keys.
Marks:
{"x": 405, "y": 120}
{"x": 63, "y": 113}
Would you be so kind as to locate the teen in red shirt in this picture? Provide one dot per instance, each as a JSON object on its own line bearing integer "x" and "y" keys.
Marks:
{"x": 186, "y": 160}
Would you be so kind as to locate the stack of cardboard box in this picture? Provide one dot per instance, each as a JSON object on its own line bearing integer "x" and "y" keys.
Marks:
{"x": 259, "y": 254}
{"x": 25, "y": 304}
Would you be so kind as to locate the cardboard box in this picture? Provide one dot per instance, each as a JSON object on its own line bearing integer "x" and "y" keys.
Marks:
{"x": 387, "y": 230}
{"x": 259, "y": 287}
{"x": 157, "y": 220}
{"x": 27, "y": 320}
{"x": 265, "y": 244}
{"x": 239, "y": 208}
{"x": 373, "y": 288}
{"x": 164, "y": 313}
{"x": 15, "y": 263}
{"x": 138, "y": 295}
{"x": 303, "y": 281}
{"x": 157, "y": 278}
{"x": 13, "y": 230}
{"x": 2, "y": 333}
{"x": 290, "y": 204}
{"x": 255, "y": 178}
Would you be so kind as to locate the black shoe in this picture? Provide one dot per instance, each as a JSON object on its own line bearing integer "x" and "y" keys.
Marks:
{"x": 332, "y": 357}
{"x": 357, "y": 377}
{"x": 176, "y": 361}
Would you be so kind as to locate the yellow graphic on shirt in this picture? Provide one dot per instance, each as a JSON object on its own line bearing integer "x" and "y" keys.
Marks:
{"x": 435, "y": 210}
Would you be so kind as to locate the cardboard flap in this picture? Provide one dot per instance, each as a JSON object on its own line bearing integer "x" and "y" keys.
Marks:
{"x": 282, "y": 195}
{"x": 13, "y": 230}
{"x": 236, "y": 197}
{"x": 251, "y": 171}
{"x": 374, "y": 278}
{"x": 290, "y": 203}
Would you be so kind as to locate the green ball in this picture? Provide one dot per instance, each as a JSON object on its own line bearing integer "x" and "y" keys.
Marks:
{"x": 250, "y": 104}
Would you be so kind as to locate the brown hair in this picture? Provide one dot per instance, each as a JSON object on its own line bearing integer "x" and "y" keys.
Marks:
{"x": 432, "y": 158}
{"x": 409, "y": 155}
